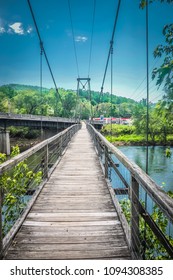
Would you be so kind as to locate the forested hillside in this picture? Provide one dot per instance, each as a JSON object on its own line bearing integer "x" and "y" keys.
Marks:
{"x": 25, "y": 99}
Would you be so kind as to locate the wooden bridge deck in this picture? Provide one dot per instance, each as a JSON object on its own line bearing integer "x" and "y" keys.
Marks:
{"x": 74, "y": 216}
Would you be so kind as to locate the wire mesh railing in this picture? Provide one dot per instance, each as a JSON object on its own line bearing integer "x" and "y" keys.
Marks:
{"x": 22, "y": 178}
{"x": 147, "y": 216}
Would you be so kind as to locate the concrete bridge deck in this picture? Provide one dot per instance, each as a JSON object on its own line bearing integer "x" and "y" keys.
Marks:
{"x": 74, "y": 216}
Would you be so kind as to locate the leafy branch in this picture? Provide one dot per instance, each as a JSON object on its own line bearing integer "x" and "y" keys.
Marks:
{"x": 14, "y": 186}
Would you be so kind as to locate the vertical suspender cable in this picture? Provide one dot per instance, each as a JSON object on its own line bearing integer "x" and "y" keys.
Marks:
{"x": 41, "y": 86}
{"x": 92, "y": 32}
{"x": 147, "y": 120}
{"x": 111, "y": 87}
{"x": 74, "y": 45}
{"x": 44, "y": 52}
{"x": 147, "y": 101}
{"x": 110, "y": 48}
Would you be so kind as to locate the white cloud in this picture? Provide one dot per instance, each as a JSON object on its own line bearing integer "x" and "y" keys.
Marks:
{"x": 82, "y": 39}
{"x": 29, "y": 30}
{"x": 2, "y": 30}
{"x": 17, "y": 28}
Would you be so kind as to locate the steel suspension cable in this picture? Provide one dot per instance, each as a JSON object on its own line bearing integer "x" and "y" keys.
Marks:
{"x": 74, "y": 45}
{"x": 111, "y": 45}
{"x": 147, "y": 75}
{"x": 135, "y": 92}
{"x": 147, "y": 118}
{"x": 92, "y": 33}
{"x": 43, "y": 49}
{"x": 111, "y": 87}
{"x": 41, "y": 86}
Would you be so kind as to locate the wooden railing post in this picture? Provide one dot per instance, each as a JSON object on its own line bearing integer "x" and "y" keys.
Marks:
{"x": 106, "y": 161}
{"x": 70, "y": 135}
{"x": 1, "y": 236}
{"x": 46, "y": 160}
{"x": 60, "y": 148}
{"x": 95, "y": 140}
{"x": 135, "y": 237}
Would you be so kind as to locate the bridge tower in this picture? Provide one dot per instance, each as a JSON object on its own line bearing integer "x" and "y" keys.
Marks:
{"x": 85, "y": 83}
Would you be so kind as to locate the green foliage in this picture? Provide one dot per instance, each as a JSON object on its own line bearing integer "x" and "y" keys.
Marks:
{"x": 29, "y": 100}
{"x": 143, "y": 3}
{"x": 164, "y": 72}
{"x": 23, "y": 132}
{"x": 14, "y": 186}
{"x": 168, "y": 153}
{"x": 160, "y": 123}
{"x": 118, "y": 129}
{"x": 154, "y": 249}
{"x": 15, "y": 151}
{"x": 128, "y": 139}
{"x": 3, "y": 157}
{"x": 170, "y": 193}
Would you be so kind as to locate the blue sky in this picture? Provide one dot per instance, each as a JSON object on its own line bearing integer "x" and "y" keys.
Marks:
{"x": 20, "y": 53}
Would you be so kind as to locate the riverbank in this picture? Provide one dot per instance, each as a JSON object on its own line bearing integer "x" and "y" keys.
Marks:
{"x": 138, "y": 140}
{"x": 126, "y": 135}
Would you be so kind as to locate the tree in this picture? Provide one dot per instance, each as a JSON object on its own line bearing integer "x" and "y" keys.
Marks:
{"x": 28, "y": 102}
{"x": 68, "y": 103}
{"x": 165, "y": 72}
{"x": 144, "y": 2}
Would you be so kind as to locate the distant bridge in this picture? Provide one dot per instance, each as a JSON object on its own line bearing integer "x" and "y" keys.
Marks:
{"x": 35, "y": 121}
{"x": 49, "y": 126}
{"x": 38, "y": 121}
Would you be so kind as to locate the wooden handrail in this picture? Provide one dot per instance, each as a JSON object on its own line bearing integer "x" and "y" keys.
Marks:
{"x": 47, "y": 163}
{"x": 7, "y": 165}
{"x": 157, "y": 194}
{"x": 138, "y": 179}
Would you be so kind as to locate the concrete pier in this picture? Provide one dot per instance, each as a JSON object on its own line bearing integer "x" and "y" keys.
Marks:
{"x": 5, "y": 142}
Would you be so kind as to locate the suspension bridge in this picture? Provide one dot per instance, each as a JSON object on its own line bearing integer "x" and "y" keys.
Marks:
{"x": 74, "y": 210}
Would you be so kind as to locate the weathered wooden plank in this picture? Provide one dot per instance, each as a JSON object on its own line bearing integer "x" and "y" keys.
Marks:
{"x": 63, "y": 208}
{"x": 71, "y": 198}
{"x": 73, "y": 232}
{"x": 121, "y": 246}
{"x": 70, "y": 229}
{"x": 76, "y": 194}
{"x": 69, "y": 224}
{"x": 72, "y": 201}
{"x": 70, "y": 255}
{"x": 48, "y": 210}
{"x": 24, "y": 238}
{"x": 71, "y": 216}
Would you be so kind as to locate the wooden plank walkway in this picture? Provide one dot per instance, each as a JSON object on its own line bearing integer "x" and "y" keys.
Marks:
{"x": 74, "y": 216}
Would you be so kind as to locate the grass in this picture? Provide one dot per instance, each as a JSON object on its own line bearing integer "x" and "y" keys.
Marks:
{"x": 126, "y": 135}
{"x": 128, "y": 139}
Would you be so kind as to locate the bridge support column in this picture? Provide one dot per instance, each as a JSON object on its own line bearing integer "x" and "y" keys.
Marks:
{"x": 5, "y": 142}
{"x": 1, "y": 237}
{"x": 135, "y": 236}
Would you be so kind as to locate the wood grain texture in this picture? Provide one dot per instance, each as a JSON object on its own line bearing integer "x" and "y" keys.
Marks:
{"x": 74, "y": 216}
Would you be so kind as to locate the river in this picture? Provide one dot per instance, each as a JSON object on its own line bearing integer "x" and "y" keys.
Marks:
{"x": 160, "y": 167}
